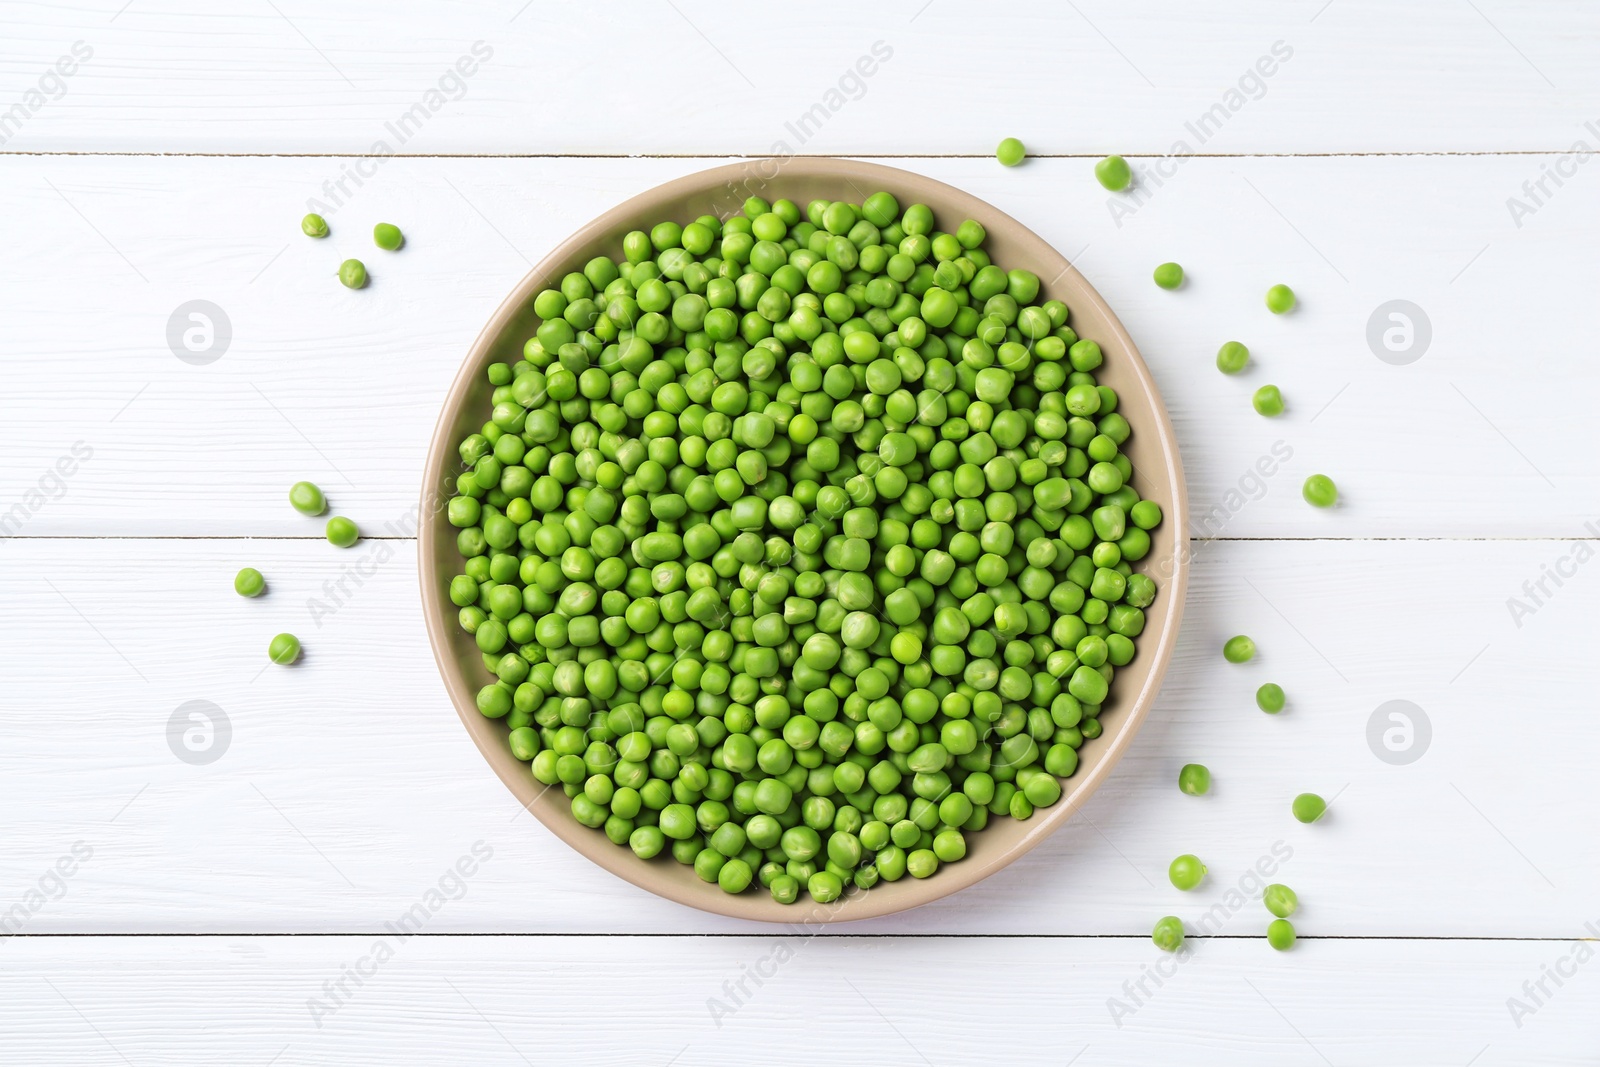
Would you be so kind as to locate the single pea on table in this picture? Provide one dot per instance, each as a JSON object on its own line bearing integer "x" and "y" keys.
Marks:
{"x": 284, "y": 649}
{"x": 1194, "y": 779}
{"x": 1113, "y": 173}
{"x": 249, "y": 582}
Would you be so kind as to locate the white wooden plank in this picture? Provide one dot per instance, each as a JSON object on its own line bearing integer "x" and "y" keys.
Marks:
{"x": 348, "y": 786}
{"x": 646, "y": 77}
{"x": 622, "y": 1000}
{"x": 1487, "y": 434}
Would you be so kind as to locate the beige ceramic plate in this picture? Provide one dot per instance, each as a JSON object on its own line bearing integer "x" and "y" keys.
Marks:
{"x": 722, "y": 190}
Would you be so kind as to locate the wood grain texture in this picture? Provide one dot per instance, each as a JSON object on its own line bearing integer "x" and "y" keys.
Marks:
{"x": 348, "y": 785}
{"x": 624, "y": 1000}
{"x": 1454, "y": 575}
{"x": 637, "y": 76}
{"x": 1472, "y": 439}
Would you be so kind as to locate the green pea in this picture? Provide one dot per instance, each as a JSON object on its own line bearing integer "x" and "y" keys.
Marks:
{"x": 1113, "y": 173}
{"x": 1194, "y": 779}
{"x": 1270, "y": 698}
{"x": 1238, "y": 649}
{"x": 1280, "y": 298}
{"x": 307, "y": 499}
{"x": 1268, "y": 401}
{"x": 341, "y": 532}
{"x": 284, "y": 649}
{"x": 1319, "y": 491}
{"x": 1186, "y": 871}
{"x": 387, "y": 236}
{"x": 1010, "y": 152}
{"x": 353, "y": 274}
{"x": 1169, "y": 275}
{"x": 314, "y": 225}
{"x": 1280, "y": 934}
{"x": 1232, "y": 357}
{"x": 1168, "y": 933}
{"x": 1280, "y": 900}
{"x": 1308, "y": 807}
{"x": 249, "y": 582}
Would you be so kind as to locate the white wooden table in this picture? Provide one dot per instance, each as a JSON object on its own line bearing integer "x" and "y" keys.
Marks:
{"x": 169, "y": 911}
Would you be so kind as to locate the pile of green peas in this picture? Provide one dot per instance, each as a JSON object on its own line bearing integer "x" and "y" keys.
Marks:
{"x": 799, "y": 544}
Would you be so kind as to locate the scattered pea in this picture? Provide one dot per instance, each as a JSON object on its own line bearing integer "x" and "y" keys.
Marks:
{"x": 1280, "y": 900}
{"x": 1113, "y": 173}
{"x": 1168, "y": 933}
{"x": 1320, "y": 492}
{"x": 342, "y": 533}
{"x": 248, "y": 582}
{"x": 1010, "y": 152}
{"x": 1232, "y": 357}
{"x": 1280, "y": 934}
{"x": 1269, "y": 698}
{"x": 1238, "y": 649}
{"x": 1194, "y": 779}
{"x": 1308, "y": 807}
{"x": 1186, "y": 871}
{"x": 1268, "y": 401}
{"x": 1169, "y": 275}
{"x": 307, "y": 499}
{"x": 353, "y": 274}
{"x": 1280, "y": 298}
{"x": 388, "y": 237}
{"x": 314, "y": 225}
{"x": 284, "y": 649}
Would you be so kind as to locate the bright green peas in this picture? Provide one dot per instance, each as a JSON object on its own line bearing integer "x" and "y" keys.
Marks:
{"x": 1042, "y": 790}
{"x": 1104, "y": 478}
{"x": 922, "y": 863}
{"x": 1169, "y": 275}
{"x": 1088, "y": 685}
{"x": 785, "y": 889}
{"x": 1011, "y": 152}
{"x": 1168, "y": 933}
{"x": 1186, "y": 871}
{"x": 1239, "y": 649}
{"x": 1146, "y": 514}
{"x": 249, "y": 582}
{"x": 1194, "y": 779}
{"x": 1270, "y": 698}
{"x": 307, "y": 499}
{"x": 387, "y": 236}
{"x": 1232, "y": 357}
{"x": 1268, "y": 401}
{"x": 1280, "y": 934}
{"x": 314, "y": 226}
{"x": 948, "y": 846}
{"x": 647, "y": 842}
{"x": 1308, "y": 807}
{"x": 678, "y": 822}
{"x": 1280, "y": 900}
{"x": 824, "y": 887}
{"x": 342, "y": 533}
{"x": 353, "y": 274}
{"x": 1083, "y": 400}
{"x": 734, "y": 876}
{"x": 284, "y": 649}
{"x": 1319, "y": 491}
{"x": 1113, "y": 173}
{"x": 1280, "y": 298}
